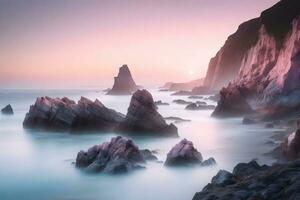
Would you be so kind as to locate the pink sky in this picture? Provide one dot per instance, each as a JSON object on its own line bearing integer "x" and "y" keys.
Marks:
{"x": 74, "y": 43}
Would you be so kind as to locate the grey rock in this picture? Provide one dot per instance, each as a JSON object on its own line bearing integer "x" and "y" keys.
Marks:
{"x": 7, "y": 110}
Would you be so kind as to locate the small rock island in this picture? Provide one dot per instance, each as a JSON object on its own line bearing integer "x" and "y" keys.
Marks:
{"x": 123, "y": 83}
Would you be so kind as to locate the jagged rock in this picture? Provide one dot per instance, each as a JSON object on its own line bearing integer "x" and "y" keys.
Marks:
{"x": 259, "y": 182}
{"x": 160, "y": 103}
{"x": 7, "y": 110}
{"x": 143, "y": 118}
{"x": 194, "y": 106}
{"x": 124, "y": 83}
{"x": 195, "y": 97}
{"x": 117, "y": 156}
{"x": 232, "y": 103}
{"x": 183, "y": 153}
{"x": 148, "y": 155}
{"x": 180, "y": 101}
{"x": 223, "y": 177}
{"x": 65, "y": 114}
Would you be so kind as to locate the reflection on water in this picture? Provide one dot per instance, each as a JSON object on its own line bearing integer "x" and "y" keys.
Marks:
{"x": 38, "y": 165}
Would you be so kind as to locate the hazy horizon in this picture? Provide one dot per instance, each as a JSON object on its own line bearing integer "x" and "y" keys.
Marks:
{"x": 77, "y": 44}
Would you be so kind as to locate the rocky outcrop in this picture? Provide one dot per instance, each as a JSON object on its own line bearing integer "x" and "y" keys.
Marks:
{"x": 177, "y": 119}
{"x": 232, "y": 103}
{"x": 142, "y": 117}
{"x": 7, "y": 110}
{"x": 195, "y": 97}
{"x": 184, "y": 153}
{"x": 117, "y": 156}
{"x": 123, "y": 83}
{"x": 64, "y": 114}
{"x": 252, "y": 181}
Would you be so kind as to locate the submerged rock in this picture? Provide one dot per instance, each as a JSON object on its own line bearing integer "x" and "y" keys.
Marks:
{"x": 117, "y": 156}
{"x": 142, "y": 117}
{"x": 124, "y": 83}
{"x": 182, "y": 93}
{"x": 160, "y": 103}
{"x": 248, "y": 121}
{"x": 252, "y": 181}
{"x": 184, "y": 153}
{"x": 7, "y": 110}
{"x": 194, "y": 106}
{"x": 181, "y": 101}
{"x": 177, "y": 119}
{"x": 64, "y": 114}
{"x": 195, "y": 97}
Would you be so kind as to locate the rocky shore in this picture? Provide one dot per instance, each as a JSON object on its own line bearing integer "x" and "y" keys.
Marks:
{"x": 251, "y": 181}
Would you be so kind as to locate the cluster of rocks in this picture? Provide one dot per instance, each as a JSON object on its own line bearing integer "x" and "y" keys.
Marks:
{"x": 184, "y": 153}
{"x": 64, "y": 114}
{"x": 7, "y": 110}
{"x": 117, "y": 156}
{"x": 123, "y": 83}
{"x": 251, "y": 181}
{"x": 195, "y": 97}
{"x": 122, "y": 155}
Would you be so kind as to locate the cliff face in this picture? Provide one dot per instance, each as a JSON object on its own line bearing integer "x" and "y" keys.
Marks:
{"x": 270, "y": 30}
{"x": 123, "y": 83}
{"x": 268, "y": 71}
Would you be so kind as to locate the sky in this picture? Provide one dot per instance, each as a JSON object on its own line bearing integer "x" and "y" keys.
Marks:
{"x": 82, "y": 43}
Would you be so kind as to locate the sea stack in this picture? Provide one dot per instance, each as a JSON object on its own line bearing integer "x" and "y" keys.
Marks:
{"x": 123, "y": 83}
{"x": 7, "y": 110}
{"x": 142, "y": 117}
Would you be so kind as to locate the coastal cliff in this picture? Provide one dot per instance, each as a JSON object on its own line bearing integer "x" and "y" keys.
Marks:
{"x": 266, "y": 71}
{"x": 266, "y": 34}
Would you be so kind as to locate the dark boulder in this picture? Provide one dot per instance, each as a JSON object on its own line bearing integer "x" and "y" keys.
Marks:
{"x": 209, "y": 162}
{"x": 183, "y": 153}
{"x": 232, "y": 103}
{"x": 142, "y": 118}
{"x": 7, "y": 110}
{"x": 123, "y": 83}
{"x": 248, "y": 121}
{"x": 64, "y": 114}
{"x": 117, "y": 156}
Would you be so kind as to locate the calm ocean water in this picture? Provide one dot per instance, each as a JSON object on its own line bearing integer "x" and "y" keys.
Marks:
{"x": 38, "y": 165}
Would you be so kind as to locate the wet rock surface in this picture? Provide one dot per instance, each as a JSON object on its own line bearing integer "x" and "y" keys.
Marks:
{"x": 7, "y": 110}
{"x": 119, "y": 155}
{"x": 184, "y": 153}
{"x": 160, "y": 103}
{"x": 177, "y": 119}
{"x": 143, "y": 119}
{"x": 251, "y": 181}
{"x": 66, "y": 115}
{"x": 123, "y": 83}
{"x": 182, "y": 102}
